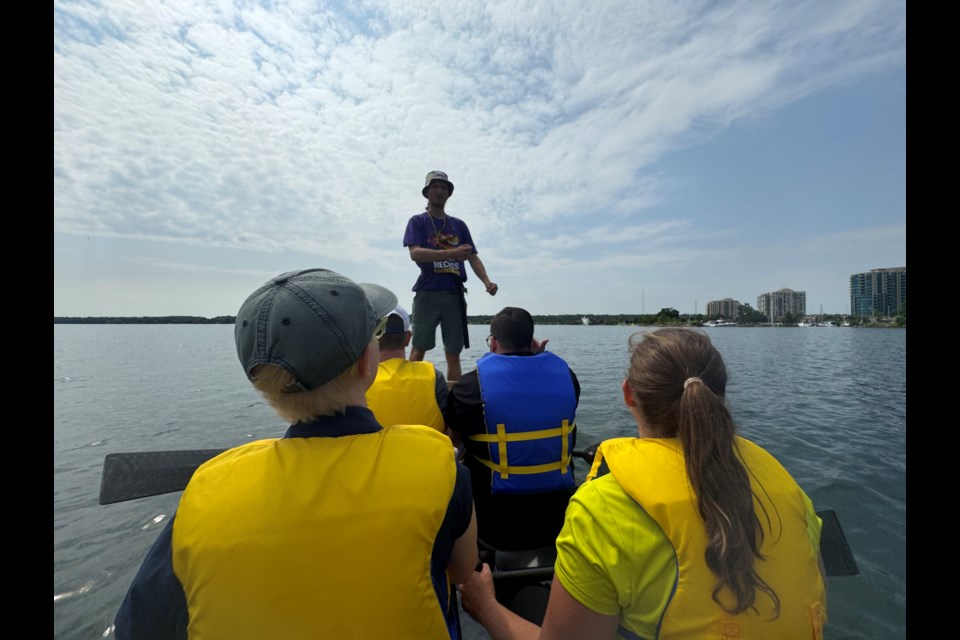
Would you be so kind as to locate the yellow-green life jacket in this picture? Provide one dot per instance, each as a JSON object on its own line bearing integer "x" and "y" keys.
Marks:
{"x": 652, "y": 472}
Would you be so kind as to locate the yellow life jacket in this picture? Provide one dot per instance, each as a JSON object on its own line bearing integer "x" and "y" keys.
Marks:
{"x": 653, "y": 473}
{"x": 316, "y": 537}
{"x": 405, "y": 393}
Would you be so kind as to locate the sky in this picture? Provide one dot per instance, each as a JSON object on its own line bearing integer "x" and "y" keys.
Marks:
{"x": 615, "y": 157}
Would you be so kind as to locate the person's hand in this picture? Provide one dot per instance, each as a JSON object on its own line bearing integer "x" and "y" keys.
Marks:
{"x": 539, "y": 347}
{"x": 461, "y": 252}
{"x": 477, "y": 595}
{"x": 492, "y": 288}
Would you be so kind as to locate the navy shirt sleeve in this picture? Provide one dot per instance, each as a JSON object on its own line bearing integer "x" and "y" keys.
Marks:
{"x": 457, "y": 519}
{"x": 155, "y": 607}
{"x": 455, "y": 524}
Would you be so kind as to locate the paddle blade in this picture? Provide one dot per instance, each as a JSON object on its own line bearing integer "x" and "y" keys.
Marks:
{"x": 128, "y": 476}
{"x": 838, "y": 560}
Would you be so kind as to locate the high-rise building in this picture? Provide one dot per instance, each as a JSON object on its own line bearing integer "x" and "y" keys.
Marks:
{"x": 882, "y": 291}
{"x": 778, "y": 303}
{"x": 728, "y": 308}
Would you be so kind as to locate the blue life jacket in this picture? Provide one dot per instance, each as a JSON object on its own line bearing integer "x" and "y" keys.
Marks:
{"x": 529, "y": 407}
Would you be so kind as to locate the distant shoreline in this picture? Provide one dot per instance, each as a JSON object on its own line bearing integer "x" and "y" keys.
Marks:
{"x": 642, "y": 320}
{"x": 574, "y": 319}
{"x": 143, "y": 320}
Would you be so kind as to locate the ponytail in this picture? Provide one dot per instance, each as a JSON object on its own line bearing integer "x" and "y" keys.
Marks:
{"x": 678, "y": 380}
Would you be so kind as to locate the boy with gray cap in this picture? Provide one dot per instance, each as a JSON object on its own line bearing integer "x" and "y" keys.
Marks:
{"x": 341, "y": 528}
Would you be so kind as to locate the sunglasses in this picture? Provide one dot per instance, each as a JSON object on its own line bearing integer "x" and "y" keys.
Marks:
{"x": 489, "y": 339}
{"x": 381, "y": 328}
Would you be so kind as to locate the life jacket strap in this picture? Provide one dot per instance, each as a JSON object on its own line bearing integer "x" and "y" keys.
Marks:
{"x": 501, "y": 438}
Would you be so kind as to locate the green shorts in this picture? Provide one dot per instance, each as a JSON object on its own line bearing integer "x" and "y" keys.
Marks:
{"x": 432, "y": 308}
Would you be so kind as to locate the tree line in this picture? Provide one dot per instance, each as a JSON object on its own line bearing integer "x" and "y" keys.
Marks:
{"x": 144, "y": 320}
{"x": 667, "y": 316}
{"x": 569, "y": 318}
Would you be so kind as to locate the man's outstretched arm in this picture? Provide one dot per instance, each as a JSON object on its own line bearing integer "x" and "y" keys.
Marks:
{"x": 477, "y": 265}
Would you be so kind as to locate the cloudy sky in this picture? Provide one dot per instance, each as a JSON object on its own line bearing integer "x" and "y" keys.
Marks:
{"x": 618, "y": 156}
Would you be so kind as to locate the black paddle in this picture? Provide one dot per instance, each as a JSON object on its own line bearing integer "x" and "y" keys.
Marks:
{"x": 128, "y": 476}
{"x": 140, "y": 474}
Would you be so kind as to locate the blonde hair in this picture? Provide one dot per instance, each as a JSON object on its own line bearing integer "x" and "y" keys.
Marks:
{"x": 279, "y": 387}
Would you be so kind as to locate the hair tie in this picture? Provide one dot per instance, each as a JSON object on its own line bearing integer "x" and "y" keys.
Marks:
{"x": 689, "y": 380}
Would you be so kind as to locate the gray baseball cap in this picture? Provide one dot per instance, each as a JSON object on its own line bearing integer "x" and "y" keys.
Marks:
{"x": 314, "y": 323}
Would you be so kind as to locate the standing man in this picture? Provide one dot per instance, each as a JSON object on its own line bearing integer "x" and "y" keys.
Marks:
{"x": 515, "y": 414}
{"x": 405, "y": 392}
{"x": 440, "y": 244}
{"x": 339, "y": 529}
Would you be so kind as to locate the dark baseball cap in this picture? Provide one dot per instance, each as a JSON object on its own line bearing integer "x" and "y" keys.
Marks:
{"x": 314, "y": 323}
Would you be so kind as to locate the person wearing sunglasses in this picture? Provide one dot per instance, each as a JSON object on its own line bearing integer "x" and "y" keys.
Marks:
{"x": 340, "y": 528}
{"x": 500, "y": 422}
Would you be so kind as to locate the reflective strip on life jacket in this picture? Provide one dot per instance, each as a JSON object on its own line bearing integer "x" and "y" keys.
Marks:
{"x": 501, "y": 437}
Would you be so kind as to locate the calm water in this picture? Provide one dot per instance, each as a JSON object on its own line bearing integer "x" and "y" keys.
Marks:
{"x": 830, "y": 403}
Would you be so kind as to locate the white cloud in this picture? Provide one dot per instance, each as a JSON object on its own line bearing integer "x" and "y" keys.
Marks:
{"x": 308, "y": 129}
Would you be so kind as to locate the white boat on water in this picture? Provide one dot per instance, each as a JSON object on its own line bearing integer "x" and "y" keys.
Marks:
{"x": 720, "y": 323}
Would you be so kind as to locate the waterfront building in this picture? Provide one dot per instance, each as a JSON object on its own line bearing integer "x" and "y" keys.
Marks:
{"x": 778, "y": 303}
{"x": 728, "y": 308}
{"x": 882, "y": 291}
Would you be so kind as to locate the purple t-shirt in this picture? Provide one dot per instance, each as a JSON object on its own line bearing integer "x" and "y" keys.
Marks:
{"x": 424, "y": 231}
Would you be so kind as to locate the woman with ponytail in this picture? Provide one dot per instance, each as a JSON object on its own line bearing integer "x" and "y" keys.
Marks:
{"x": 694, "y": 533}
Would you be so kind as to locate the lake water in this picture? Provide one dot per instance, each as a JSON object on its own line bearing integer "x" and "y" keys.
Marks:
{"x": 830, "y": 403}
